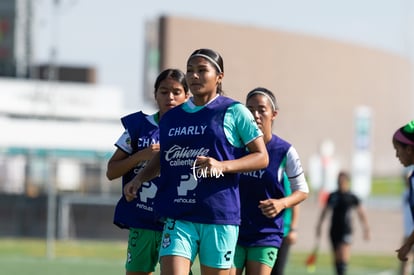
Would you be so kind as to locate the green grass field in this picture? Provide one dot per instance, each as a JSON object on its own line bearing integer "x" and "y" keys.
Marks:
{"x": 387, "y": 187}
{"x": 28, "y": 256}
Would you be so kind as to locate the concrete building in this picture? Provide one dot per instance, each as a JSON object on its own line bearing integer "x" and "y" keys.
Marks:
{"x": 321, "y": 85}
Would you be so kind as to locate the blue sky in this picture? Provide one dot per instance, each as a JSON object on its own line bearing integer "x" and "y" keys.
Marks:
{"x": 109, "y": 34}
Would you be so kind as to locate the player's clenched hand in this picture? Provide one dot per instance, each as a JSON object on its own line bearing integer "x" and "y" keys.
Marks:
{"x": 403, "y": 252}
{"x": 149, "y": 152}
{"x": 130, "y": 189}
{"x": 271, "y": 207}
{"x": 208, "y": 166}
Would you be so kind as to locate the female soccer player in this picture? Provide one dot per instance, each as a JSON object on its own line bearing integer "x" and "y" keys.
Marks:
{"x": 204, "y": 145}
{"x": 137, "y": 145}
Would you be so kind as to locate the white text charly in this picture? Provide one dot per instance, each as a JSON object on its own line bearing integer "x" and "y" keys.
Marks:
{"x": 187, "y": 131}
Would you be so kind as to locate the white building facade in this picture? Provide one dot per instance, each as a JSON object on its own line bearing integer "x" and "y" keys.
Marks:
{"x": 64, "y": 131}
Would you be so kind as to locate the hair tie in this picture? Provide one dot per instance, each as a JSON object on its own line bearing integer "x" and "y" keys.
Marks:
{"x": 209, "y": 59}
{"x": 399, "y": 136}
{"x": 264, "y": 94}
{"x": 409, "y": 128}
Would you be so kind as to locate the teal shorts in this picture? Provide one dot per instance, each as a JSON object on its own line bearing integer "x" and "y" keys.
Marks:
{"x": 143, "y": 250}
{"x": 263, "y": 254}
{"x": 214, "y": 243}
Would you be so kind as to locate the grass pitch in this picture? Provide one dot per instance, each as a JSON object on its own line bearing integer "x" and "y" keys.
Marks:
{"x": 29, "y": 256}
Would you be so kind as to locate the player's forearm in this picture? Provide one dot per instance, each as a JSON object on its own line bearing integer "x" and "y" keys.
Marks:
{"x": 410, "y": 240}
{"x": 295, "y": 216}
{"x": 251, "y": 162}
{"x": 294, "y": 199}
{"x": 256, "y": 159}
{"x": 151, "y": 170}
{"x": 119, "y": 168}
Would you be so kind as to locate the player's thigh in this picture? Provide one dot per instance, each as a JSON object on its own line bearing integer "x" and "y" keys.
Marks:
{"x": 143, "y": 250}
{"x": 240, "y": 257}
{"x": 217, "y": 245}
{"x": 179, "y": 238}
{"x": 263, "y": 255}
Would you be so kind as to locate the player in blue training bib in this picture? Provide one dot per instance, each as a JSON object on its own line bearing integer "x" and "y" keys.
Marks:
{"x": 204, "y": 145}
{"x": 263, "y": 196}
{"x": 135, "y": 148}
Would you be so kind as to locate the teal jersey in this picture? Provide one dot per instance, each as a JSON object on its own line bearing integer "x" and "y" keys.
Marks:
{"x": 238, "y": 125}
{"x": 287, "y": 215}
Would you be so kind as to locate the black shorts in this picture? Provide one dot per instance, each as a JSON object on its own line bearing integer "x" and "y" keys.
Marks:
{"x": 340, "y": 237}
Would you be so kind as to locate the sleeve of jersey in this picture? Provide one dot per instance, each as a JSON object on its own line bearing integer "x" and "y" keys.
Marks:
{"x": 239, "y": 126}
{"x": 295, "y": 172}
{"x": 124, "y": 143}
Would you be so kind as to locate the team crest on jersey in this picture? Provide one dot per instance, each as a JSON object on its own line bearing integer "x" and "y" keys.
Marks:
{"x": 166, "y": 240}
